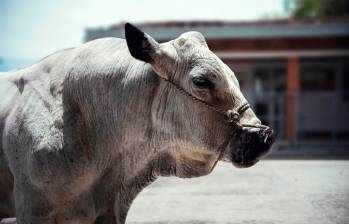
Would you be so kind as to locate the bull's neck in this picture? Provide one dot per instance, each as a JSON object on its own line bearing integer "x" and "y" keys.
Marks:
{"x": 114, "y": 114}
{"x": 108, "y": 126}
{"x": 113, "y": 122}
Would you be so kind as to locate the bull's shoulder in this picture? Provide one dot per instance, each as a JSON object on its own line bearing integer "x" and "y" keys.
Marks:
{"x": 34, "y": 114}
{"x": 35, "y": 117}
{"x": 39, "y": 89}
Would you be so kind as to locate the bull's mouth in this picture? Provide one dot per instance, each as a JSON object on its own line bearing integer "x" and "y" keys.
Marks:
{"x": 245, "y": 164}
{"x": 244, "y": 158}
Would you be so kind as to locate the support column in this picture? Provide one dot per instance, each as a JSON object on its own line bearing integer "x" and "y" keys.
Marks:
{"x": 292, "y": 88}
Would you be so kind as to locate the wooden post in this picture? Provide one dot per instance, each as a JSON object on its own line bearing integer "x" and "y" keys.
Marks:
{"x": 292, "y": 88}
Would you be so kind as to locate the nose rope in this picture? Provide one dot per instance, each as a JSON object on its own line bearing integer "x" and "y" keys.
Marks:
{"x": 234, "y": 119}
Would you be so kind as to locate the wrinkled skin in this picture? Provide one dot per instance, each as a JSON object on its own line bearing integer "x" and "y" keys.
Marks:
{"x": 86, "y": 129}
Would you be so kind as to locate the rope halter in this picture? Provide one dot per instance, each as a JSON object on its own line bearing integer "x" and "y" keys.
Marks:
{"x": 233, "y": 116}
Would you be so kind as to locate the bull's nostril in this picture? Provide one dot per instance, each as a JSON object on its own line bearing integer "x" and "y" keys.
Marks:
{"x": 270, "y": 137}
{"x": 266, "y": 138}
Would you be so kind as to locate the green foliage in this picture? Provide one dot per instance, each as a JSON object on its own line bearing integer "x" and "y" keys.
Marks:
{"x": 307, "y": 9}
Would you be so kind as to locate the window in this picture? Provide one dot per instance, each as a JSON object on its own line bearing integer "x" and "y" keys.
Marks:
{"x": 317, "y": 79}
{"x": 270, "y": 79}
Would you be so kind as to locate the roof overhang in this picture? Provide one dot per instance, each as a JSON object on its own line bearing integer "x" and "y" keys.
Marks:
{"x": 234, "y": 30}
{"x": 255, "y": 31}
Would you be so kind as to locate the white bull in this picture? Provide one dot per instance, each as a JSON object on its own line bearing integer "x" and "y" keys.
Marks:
{"x": 84, "y": 130}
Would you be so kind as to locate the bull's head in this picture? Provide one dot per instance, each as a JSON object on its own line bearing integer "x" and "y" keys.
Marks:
{"x": 187, "y": 112}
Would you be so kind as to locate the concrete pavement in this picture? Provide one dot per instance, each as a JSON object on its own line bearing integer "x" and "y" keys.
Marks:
{"x": 273, "y": 191}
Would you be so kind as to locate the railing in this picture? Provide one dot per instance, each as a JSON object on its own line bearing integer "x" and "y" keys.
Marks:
{"x": 320, "y": 117}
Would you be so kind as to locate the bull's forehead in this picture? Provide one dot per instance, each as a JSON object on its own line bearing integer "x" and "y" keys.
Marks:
{"x": 204, "y": 62}
{"x": 191, "y": 48}
{"x": 199, "y": 60}
{"x": 209, "y": 64}
{"x": 195, "y": 58}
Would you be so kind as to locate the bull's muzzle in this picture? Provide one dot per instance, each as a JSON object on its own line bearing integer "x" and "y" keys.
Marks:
{"x": 250, "y": 146}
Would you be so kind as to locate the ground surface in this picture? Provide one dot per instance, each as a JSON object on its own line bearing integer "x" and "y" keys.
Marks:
{"x": 271, "y": 192}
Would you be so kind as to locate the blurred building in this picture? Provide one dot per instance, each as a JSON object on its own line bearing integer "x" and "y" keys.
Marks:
{"x": 295, "y": 74}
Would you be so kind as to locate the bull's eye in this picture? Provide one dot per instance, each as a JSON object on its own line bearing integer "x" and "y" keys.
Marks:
{"x": 202, "y": 83}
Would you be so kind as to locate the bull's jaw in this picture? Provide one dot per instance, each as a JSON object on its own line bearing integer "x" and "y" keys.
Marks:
{"x": 184, "y": 165}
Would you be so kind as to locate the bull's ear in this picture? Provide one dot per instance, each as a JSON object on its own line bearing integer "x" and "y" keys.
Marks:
{"x": 141, "y": 45}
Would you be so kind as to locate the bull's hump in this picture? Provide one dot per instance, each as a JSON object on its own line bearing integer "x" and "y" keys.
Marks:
{"x": 101, "y": 56}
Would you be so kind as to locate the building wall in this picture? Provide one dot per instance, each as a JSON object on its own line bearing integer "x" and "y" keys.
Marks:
{"x": 321, "y": 103}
